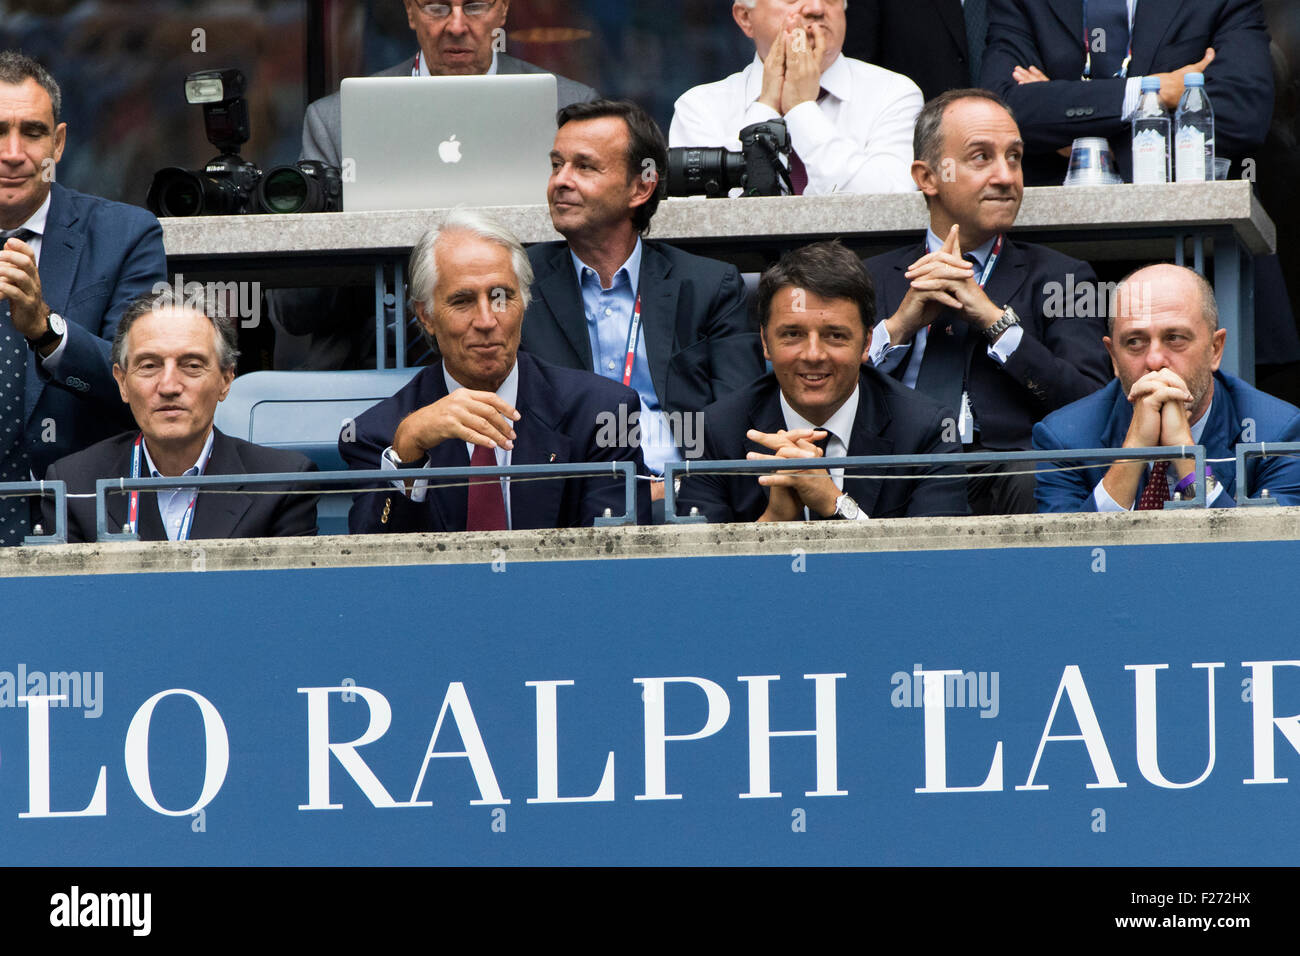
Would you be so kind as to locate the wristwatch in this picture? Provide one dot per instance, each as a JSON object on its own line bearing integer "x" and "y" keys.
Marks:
{"x": 54, "y": 332}
{"x": 847, "y": 508}
{"x": 1008, "y": 319}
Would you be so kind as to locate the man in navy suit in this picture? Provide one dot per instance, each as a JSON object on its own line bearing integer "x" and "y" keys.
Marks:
{"x": 484, "y": 404}
{"x": 816, "y": 306}
{"x": 68, "y": 266}
{"x": 173, "y": 364}
{"x": 1006, "y": 338}
{"x": 1062, "y": 89}
{"x": 1166, "y": 346}
{"x": 691, "y": 338}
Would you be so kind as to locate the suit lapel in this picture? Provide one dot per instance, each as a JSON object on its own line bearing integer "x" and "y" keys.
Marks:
{"x": 61, "y": 248}
{"x": 1070, "y": 13}
{"x": 216, "y": 515}
{"x": 1222, "y": 432}
{"x": 950, "y": 13}
{"x": 867, "y": 439}
{"x": 658, "y": 291}
{"x": 558, "y": 288}
{"x": 1152, "y": 21}
{"x": 450, "y": 505}
{"x": 536, "y": 504}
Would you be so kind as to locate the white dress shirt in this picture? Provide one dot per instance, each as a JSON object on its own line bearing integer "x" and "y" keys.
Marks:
{"x": 1105, "y": 502}
{"x": 838, "y": 428}
{"x": 856, "y": 139}
{"x": 508, "y": 393}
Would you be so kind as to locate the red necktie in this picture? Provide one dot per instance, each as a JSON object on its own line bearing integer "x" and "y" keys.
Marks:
{"x": 798, "y": 171}
{"x": 487, "y": 507}
{"x": 1156, "y": 493}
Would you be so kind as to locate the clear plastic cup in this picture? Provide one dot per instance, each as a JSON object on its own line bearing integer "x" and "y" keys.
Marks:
{"x": 1091, "y": 163}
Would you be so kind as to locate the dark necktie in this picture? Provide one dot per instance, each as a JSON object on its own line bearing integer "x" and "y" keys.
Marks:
{"x": 943, "y": 366}
{"x": 823, "y": 445}
{"x": 798, "y": 171}
{"x": 1156, "y": 493}
{"x": 14, "y": 512}
{"x": 487, "y": 506}
{"x": 1111, "y": 18}
{"x": 977, "y": 26}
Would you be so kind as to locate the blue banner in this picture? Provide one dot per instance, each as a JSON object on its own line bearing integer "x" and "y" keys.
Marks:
{"x": 1119, "y": 705}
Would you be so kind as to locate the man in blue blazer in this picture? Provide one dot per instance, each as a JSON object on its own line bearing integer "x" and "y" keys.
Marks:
{"x": 694, "y": 342}
{"x": 484, "y": 404}
{"x": 69, "y": 265}
{"x": 1036, "y": 59}
{"x": 1166, "y": 347}
{"x": 1011, "y": 337}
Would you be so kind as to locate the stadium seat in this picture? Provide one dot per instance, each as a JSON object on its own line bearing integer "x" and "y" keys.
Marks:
{"x": 305, "y": 411}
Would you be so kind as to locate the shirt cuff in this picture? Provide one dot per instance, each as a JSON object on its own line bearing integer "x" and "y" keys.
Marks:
{"x": 1104, "y": 501}
{"x": 1132, "y": 93}
{"x": 757, "y": 113}
{"x": 389, "y": 461}
{"x": 51, "y": 362}
{"x": 884, "y": 356}
{"x": 1006, "y": 345}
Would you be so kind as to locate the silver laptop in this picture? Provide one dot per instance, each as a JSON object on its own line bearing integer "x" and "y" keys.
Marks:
{"x": 417, "y": 142}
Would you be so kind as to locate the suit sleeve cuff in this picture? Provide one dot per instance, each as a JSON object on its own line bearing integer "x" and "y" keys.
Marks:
{"x": 389, "y": 461}
{"x": 1132, "y": 93}
{"x": 884, "y": 356}
{"x": 1006, "y": 345}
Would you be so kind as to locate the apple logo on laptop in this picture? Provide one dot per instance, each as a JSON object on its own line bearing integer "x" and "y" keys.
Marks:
{"x": 449, "y": 150}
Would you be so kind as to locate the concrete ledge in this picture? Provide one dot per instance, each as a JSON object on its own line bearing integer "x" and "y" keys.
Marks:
{"x": 591, "y": 544}
{"x": 792, "y": 218}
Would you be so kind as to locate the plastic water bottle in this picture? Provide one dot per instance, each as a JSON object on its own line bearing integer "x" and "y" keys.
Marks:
{"x": 1150, "y": 135}
{"x": 1194, "y": 132}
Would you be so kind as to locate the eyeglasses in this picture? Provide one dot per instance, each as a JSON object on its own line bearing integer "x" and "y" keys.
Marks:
{"x": 441, "y": 11}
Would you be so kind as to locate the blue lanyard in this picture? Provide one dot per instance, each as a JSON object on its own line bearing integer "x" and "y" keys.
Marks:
{"x": 133, "y": 512}
{"x": 1087, "y": 47}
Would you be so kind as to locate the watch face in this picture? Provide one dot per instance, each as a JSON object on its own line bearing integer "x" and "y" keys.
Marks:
{"x": 57, "y": 325}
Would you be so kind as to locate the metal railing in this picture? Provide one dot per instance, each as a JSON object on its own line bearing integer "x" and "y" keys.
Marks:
{"x": 683, "y": 469}
{"x": 624, "y": 469}
{"x": 29, "y": 488}
{"x": 1259, "y": 450}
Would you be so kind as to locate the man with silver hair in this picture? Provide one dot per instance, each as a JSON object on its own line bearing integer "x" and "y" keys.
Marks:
{"x": 484, "y": 404}
{"x": 850, "y": 122}
{"x": 1165, "y": 346}
{"x": 173, "y": 363}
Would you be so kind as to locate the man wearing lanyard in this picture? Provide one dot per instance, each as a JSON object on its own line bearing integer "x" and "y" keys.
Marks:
{"x": 1003, "y": 339}
{"x": 1073, "y": 68}
{"x": 173, "y": 364}
{"x": 669, "y": 324}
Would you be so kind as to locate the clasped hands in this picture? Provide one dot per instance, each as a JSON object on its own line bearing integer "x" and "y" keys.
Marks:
{"x": 941, "y": 280}
{"x": 20, "y": 283}
{"x": 791, "y": 491}
{"x": 1160, "y": 402}
{"x": 792, "y": 71}
{"x": 480, "y": 418}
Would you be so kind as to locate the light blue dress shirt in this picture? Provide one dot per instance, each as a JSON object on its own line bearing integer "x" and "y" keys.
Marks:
{"x": 609, "y": 318}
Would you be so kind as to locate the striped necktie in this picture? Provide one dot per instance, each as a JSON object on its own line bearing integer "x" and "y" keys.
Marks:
{"x": 14, "y": 466}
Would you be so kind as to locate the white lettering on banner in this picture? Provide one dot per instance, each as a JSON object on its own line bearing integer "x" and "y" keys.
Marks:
{"x": 319, "y": 748}
{"x": 1089, "y": 732}
{"x": 656, "y": 738}
{"x": 548, "y": 751}
{"x": 760, "y": 737}
{"x": 935, "y": 689}
{"x": 456, "y": 701}
{"x": 1263, "y": 720}
{"x": 216, "y": 746}
{"x": 38, "y": 766}
{"x": 936, "y": 740}
{"x": 1145, "y": 692}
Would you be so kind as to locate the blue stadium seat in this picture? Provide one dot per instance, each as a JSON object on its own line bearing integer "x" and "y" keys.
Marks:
{"x": 305, "y": 411}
